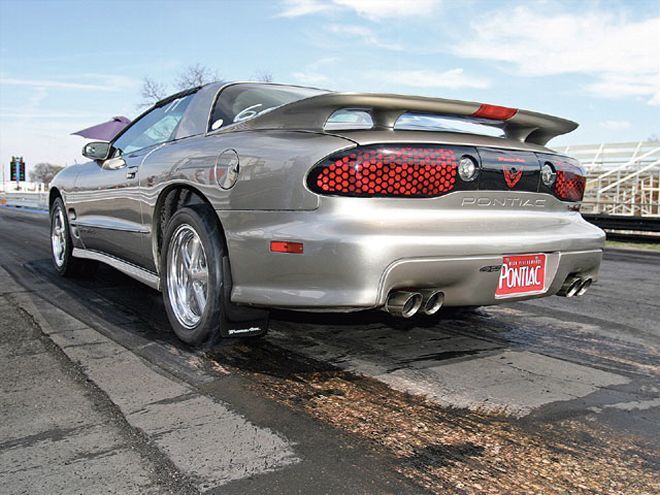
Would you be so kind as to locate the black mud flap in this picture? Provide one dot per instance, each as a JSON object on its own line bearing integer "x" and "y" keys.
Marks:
{"x": 239, "y": 321}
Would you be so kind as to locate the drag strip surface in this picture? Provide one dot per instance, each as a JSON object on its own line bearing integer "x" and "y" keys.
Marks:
{"x": 553, "y": 395}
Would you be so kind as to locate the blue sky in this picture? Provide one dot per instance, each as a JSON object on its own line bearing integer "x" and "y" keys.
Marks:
{"x": 65, "y": 65}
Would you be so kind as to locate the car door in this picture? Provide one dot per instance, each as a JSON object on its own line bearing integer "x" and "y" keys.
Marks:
{"x": 107, "y": 199}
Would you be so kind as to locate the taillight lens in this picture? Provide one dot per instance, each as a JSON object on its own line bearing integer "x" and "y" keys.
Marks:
{"x": 388, "y": 171}
{"x": 570, "y": 181}
{"x": 563, "y": 177}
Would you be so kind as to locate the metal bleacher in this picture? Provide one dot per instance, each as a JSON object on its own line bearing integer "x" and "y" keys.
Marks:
{"x": 623, "y": 178}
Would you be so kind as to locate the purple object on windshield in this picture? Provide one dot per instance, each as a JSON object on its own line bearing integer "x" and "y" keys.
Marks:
{"x": 105, "y": 131}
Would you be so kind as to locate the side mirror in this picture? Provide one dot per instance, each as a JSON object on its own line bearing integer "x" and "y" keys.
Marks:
{"x": 97, "y": 150}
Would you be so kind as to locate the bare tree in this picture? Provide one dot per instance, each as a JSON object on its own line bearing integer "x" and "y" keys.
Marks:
{"x": 190, "y": 77}
{"x": 152, "y": 92}
{"x": 263, "y": 76}
{"x": 44, "y": 172}
{"x": 195, "y": 75}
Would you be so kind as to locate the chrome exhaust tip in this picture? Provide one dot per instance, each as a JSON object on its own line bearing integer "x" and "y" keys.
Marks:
{"x": 574, "y": 288}
{"x": 432, "y": 301}
{"x": 404, "y": 304}
{"x": 571, "y": 287}
{"x": 584, "y": 287}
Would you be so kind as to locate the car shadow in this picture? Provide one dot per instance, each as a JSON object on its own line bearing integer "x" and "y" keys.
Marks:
{"x": 136, "y": 315}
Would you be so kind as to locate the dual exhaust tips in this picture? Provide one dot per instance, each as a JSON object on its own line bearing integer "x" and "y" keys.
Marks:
{"x": 429, "y": 301}
{"x": 575, "y": 286}
{"x": 406, "y": 304}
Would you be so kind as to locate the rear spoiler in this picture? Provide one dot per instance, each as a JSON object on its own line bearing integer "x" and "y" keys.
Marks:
{"x": 313, "y": 113}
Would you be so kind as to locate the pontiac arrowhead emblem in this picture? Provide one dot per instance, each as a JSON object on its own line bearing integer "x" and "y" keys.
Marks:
{"x": 512, "y": 176}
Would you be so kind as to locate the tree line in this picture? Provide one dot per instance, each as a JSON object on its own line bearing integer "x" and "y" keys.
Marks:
{"x": 44, "y": 172}
{"x": 191, "y": 76}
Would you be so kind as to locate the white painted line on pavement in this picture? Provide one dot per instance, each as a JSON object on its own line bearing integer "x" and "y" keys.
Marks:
{"x": 203, "y": 438}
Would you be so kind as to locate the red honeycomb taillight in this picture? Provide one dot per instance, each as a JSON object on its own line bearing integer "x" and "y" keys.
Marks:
{"x": 570, "y": 182}
{"x": 387, "y": 171}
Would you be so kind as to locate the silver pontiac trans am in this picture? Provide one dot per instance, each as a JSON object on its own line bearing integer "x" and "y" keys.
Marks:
{"x": 236, "y": 198}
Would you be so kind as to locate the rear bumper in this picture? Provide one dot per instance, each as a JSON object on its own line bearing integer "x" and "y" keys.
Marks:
{"x": 465, "y": 284}
{"x": 356, "y": 252}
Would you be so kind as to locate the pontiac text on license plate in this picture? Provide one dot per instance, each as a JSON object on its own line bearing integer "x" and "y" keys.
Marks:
{"x": 521, "y": 275}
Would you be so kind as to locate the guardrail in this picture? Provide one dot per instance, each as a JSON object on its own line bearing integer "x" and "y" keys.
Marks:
{"x": 627, "y": 228}
{"x": 38, "y": 200}
{"x": 642, "y": 224}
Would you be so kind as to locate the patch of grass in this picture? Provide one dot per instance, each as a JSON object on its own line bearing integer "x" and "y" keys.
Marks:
{"x": 649, "y": 246}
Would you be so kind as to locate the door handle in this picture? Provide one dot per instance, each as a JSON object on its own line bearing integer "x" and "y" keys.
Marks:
{"x": 131, "y": 172}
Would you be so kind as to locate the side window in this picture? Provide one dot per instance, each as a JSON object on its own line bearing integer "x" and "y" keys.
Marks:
{"x": 155, "y": 127}
{"x": 241, "y": 102}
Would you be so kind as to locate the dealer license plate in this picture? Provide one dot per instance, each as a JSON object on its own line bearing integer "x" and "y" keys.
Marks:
{"x": 521, "y": 275}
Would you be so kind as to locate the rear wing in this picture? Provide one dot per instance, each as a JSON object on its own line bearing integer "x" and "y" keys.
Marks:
{"x": 313, "y": 113}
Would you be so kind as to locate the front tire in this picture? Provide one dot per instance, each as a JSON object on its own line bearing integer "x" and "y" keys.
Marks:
{"x": 62, "y": 246}
{"x": 191, "y": 269}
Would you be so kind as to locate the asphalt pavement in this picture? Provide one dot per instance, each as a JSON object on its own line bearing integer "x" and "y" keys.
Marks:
{"x": 547, "y": 396}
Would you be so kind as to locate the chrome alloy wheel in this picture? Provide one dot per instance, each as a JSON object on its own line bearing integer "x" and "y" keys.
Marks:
{"x": 58, "y": 237}
{"x": 187, "y": 276}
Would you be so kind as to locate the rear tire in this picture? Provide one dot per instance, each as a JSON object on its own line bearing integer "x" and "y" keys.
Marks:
{"x": 61, "y": 246}
{"x": 192, "y": 275}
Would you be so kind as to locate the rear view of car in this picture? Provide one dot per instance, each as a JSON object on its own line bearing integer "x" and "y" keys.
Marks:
{"x": 411, "y": 217}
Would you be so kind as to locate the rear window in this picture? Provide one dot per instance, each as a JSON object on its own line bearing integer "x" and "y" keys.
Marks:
{"x": 356, "y": 118}
{"x": 415, "y": 121}
{"x": 241, "y": 102}
{"x": 349, "y": 118}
